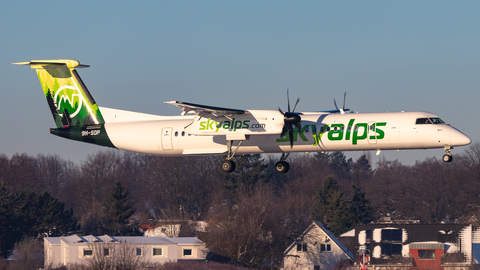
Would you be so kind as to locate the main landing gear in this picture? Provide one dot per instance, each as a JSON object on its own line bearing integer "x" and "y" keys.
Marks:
{"x": 228, "y": 165}
{"x": 448, "y": 156}
{"x": 282, "y": 166}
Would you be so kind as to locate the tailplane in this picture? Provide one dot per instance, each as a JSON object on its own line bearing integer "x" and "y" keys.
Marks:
{"x": 68, "y": 98}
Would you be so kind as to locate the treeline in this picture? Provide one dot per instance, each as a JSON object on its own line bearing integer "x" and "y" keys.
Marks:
{"x": 254, "y": 213}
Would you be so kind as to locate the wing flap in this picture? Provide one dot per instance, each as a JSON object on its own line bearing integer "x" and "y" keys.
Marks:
{"x": 206, "y": 111}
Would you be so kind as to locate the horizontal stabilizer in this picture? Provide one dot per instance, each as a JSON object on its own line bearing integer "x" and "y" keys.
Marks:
{"x": 69, "y": 63}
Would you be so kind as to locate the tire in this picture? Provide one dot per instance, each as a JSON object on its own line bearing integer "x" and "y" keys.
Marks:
{"x": 447, "y": 158}
{"x": 282, "y": 167}
{"x": 228, "y": 166}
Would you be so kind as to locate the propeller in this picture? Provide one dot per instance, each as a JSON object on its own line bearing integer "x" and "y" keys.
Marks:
{"x": 290, "y": 119}
{"x": 342, "y": 110}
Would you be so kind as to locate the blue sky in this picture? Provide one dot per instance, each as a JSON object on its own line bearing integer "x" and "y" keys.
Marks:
{"x": 387, "y": 56}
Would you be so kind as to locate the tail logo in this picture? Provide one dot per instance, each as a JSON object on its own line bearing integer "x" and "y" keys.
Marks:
{"x": 68, "y": 97}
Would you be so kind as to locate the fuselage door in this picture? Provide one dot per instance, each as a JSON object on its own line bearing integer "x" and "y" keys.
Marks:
{"x": 167, "y": 138}
{"x": 372, "y": 133}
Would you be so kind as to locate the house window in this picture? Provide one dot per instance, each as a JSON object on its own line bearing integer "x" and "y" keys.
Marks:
{"x": 392, "y": 235}
{"x": 106, "y": 252}
{"x": 157, "y": 251}
{"x": 325, "y": 247}
{"x": 391, "y": 249}
{"x": 302, "y": 247}
{"x": 187, "y": 252}
{"x": 87, "y": 252}
{"x": 368, "y": 235}
{"x": 139, "y": 252}
{"x": 426, "y": 254}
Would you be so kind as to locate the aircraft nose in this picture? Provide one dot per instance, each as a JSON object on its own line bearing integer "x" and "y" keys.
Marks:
{"x": 457, "y": 138}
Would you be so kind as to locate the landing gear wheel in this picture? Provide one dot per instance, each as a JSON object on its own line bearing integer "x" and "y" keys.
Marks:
{"x": 447, "y": 158}
{"x": 282, "y": 167}
{"x": 228, "y": 166}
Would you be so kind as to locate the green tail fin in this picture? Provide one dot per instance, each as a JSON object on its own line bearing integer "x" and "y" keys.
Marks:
{"x": 68, "y": 98}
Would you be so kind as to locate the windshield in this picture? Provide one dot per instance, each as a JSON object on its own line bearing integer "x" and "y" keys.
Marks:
{"x": 429, "y": 121}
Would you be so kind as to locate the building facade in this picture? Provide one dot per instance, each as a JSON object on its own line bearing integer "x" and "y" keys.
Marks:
{"x": 418, "y": 246}
{"x": 107, "y": 249}
{"x": 317, "y": 248}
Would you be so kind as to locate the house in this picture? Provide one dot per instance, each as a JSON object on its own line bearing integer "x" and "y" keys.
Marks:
{"x": 317, "y": 248}
{"x": 76, "y": 249}
{"x": 418, "y": 246}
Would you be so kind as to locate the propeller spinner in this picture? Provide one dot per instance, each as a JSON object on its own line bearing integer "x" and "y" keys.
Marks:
{"x": 290, "y": 119}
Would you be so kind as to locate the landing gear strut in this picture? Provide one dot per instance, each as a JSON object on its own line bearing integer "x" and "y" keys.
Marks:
{"x": 228, "y": 165}
{"x": 282, "y": 166}
{"x": 448, "y": 156}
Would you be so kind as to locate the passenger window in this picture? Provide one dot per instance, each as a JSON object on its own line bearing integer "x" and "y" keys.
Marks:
{"x": 176, "y": 133}
{"x": 183, "y": 133}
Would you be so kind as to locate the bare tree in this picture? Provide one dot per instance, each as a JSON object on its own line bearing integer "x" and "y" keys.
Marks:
{"x": 119, "y": 255}
{"x": 28, "y": 254}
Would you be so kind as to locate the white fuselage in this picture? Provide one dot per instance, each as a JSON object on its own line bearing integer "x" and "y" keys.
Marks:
{"x": 260, "y": 131}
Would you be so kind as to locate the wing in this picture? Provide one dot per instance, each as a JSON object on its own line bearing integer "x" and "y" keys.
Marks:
{"x": 206, "y": 111}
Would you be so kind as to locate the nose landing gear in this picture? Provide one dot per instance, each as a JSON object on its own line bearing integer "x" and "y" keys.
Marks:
{"x": 448, "y": 156}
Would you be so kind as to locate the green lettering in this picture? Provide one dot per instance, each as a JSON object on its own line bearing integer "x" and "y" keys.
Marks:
{"x": 237, "y": 124}
{"x": 372, "y": 137}
{"x": 357, "y": 137}
{"x": 318, "y": 136}
{"x": 349, "y": 129}
{"x": 211, "y": 126}
{"x": 285, "y": 139}
{"x": 381, "y": 133}
{"x": 301, "y": 133}
{"x": 245, "y": 124}
{"x": 202, "y": 125}
{"x": 336, "y": 132}
{"x": 219, "y": 126}
{"x": 226, "y": 125}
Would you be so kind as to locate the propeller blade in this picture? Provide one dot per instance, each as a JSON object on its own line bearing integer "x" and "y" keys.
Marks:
{"x": 290, "y": 134}
{"x": 299, "y": 127}
{"x": 344, "y": 97}
{"x": 284, "y": 131}
{"x": 290, "y": 119}
{"x": 298, "y": 100}
{"x": 288, "y": 101}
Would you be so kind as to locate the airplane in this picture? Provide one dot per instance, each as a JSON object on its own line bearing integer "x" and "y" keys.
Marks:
{"x": 209, "y": 130}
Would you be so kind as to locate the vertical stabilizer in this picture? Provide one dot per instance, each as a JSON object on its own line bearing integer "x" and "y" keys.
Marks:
{"x": 68, "y": 98}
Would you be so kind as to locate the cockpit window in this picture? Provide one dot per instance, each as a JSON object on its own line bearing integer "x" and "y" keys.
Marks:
{"x": 437, "y": 121}
{"x": 429, "y": 121}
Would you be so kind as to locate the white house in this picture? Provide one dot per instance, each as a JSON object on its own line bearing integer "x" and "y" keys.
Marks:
{"x": 317, "y": 248}
{"x": 109, "y": 249}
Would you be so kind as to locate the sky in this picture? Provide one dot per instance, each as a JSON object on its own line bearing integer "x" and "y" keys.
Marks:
{"x": 387, "y": 55}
